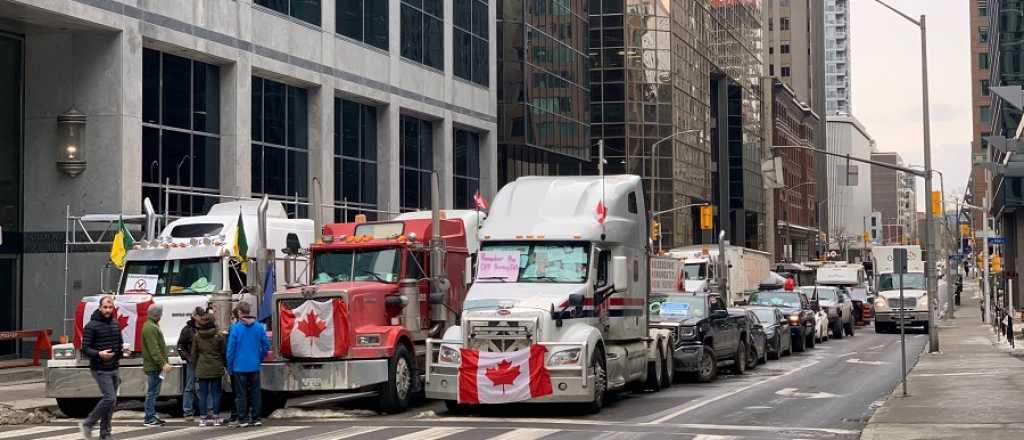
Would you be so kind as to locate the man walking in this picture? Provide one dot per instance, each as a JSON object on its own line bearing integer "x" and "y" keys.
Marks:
{"x": 154, "y": 362}
{"x": 103, "y": 345}
{"x": 247, "y": 346}
{"x": 188, "y": 398}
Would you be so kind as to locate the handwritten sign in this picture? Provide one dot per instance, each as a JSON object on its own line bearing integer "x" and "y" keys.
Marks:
{"x": 141, "y": 283}
{"x": 670, "y": 308}
{"x": 502, "y": 265}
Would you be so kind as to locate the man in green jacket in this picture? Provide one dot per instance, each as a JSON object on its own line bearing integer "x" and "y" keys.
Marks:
{"x": 154, "y": 362}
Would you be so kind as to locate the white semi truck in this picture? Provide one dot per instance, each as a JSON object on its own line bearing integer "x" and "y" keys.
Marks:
{"x": 575, "y": 286}
{"x": 915, "y": 305}
{"x": 188, "y": 264}
{"x": 747, "y": 268}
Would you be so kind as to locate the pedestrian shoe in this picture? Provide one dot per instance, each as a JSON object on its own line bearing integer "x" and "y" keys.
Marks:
{"x": 245, "y": 424}
{"x": 189, "y": 417}
{"x": 152, "y": 424}
{"x": 257, "y": 423}
{"x": 85, "y": 430}
{"x": 202, "y": 422}
{"x": 217, "y": 421}
{"x": 161, "y": 421}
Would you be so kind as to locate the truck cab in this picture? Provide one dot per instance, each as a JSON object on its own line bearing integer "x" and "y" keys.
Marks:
{"x": 888, "y": 307}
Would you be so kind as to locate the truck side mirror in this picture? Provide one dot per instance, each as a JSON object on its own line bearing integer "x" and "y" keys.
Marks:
{"x": 292, "y": 243}
{"x": 719, "y": 314}
{"x": 620, "y": 277}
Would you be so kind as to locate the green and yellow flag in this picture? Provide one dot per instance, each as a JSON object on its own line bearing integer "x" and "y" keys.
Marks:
{"x": 122, "y": 242}
{"x": 240, "y": 249}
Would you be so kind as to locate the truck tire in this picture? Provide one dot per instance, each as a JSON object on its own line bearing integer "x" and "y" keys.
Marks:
{"x": 397, "y": 391}
{"x": 810, "y": 339}
{"x": 798, "y": 343}
{"x": 597, "y": 364}
{"x": 271, "y": 401}
{"x": 654, "y": 372}
{"x": 739, "y": 360}
{"x": 752, "y": 358}
{"x": 455, "y": 408}
{"x": 707, "y": 371}
{"x": 76, "y": 408}
{"x": 837, "y": 329}
{"x": 668, "y": 370}
{"x": 849, "y": 329}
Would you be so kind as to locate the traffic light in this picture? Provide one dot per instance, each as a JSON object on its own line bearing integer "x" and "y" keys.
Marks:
{"x": 707, "y": 217}
{"x": 936, "y": 203}
{"x": 655, "y": 230}
{"x": 965, "y": 231}
{"x": 866, "y": 237}
{"x": 997, "y": 263}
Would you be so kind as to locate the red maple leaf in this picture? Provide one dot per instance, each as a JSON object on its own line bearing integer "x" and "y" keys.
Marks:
{"x": 312, "y": 326}
{"x": 122, "y": 320}
{"x": 503, "y": 374}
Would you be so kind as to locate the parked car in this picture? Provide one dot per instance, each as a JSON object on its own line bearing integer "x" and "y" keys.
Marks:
{"x": 706, "y": 334}
{"x": 776, "y": 330}
{"x": 797, "y": 308}
{"x": 758, "y": 340}
{"x": 834, "y": 303}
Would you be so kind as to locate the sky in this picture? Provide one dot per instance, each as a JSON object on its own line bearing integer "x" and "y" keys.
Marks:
{"x": 886, "y": 76}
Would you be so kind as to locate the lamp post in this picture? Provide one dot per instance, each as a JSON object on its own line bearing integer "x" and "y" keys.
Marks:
{"x": 929, "y": 238}
{"x": 655, "y": 215}
{"x": 654, "y": 153}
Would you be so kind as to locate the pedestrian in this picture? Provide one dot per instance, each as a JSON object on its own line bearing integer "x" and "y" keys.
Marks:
{"x": 103, "y": 345}
{"x": 154, "y": 362}
{"x": 188, "y": 332}
{"x": 226, "y": 332}
{"x": 208, "y": 352}
{"x": 247, "y": 346}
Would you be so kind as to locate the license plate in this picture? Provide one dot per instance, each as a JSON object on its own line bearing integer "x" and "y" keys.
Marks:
{"x": 312, "y": 383}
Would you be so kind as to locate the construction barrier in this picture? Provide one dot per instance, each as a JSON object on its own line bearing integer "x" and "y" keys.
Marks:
{"x": 42, "y": 347}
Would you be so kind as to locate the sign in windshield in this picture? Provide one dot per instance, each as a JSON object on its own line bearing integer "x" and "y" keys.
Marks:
{"x": 676, "y": 307}
{"x": 776, "y": 299}
{"x": 541, "y": 262}
{"x": 503, "y": 265}
{"x": 173, "y": 277}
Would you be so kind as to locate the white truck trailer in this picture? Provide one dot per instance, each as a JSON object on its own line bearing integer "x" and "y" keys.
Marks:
{"x": 747, "y": 268}
{"x": 182, "y": 268}
{"x": 556, "y": 280}
{"x": 915, "y": 305}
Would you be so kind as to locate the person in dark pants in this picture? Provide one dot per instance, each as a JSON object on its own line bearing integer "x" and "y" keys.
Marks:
{"x": 208, "y": 352}
{"x": 103, "y": 345}
{"x": 154, "y": 362}
{"x": 188, "y": 332}
{"x": 247, "y": 346}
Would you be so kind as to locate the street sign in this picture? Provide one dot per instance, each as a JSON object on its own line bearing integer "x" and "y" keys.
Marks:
{"x": 899, "y": 261}
{"x": 997, "y": 240}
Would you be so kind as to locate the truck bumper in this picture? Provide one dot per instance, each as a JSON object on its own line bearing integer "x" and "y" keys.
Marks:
{"x": 323, "y": 376}
{"x": 687, "y": 358}
{"x": 77, "y": 382}
{"x": 911, "y": 318}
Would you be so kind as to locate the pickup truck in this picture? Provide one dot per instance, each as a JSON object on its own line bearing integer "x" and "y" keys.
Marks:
{"x": 834, "y": 301}
{"x": 705, "y": 334}
{"x": 798, "y": 309}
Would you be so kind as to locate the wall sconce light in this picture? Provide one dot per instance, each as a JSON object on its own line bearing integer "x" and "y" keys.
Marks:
{"x": 71, "y": 143}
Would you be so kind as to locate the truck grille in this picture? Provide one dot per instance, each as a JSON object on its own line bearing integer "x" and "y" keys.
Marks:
{"x": 501, "y": 336}
{"x": 907, "y": 304}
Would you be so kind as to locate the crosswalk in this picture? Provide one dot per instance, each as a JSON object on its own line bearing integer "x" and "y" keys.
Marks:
{"x": 337, "y": 431}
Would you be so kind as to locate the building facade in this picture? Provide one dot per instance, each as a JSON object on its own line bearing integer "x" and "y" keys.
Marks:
{"x": 543, "y": 89}
{"x": 837, "y": 58}
{"x": 893, "y": 198}
{"x": 661, "y": 73}
{"x": 796, "y": 224}
{"x": 981, "y": 101}
{"x": 849, "y": 200}
{"x": 360, "y": 100}
{"x": 792, "y": 43}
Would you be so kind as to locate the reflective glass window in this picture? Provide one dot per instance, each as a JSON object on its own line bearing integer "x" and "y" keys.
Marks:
{"x": 364, "y": 20}
{"x": 422, "y": 32}
{"x": 416, "y": 162}
{"x": 466, "y": 167}
{"x": 305, "y": 10}
{"x": 470, "y": 48}
{"x": 355, "y": 159}
{"x": 280, "y": 140}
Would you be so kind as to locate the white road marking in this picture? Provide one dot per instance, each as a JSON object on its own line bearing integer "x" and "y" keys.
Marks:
{"x": 349, "y": 432}
{"x": 525, "y": 434}
{"x": 431, "y": 434}
{"x": 246, "y": 434}
{"x": 34, "y": 430}
{"x": 759, "y": 407}
{"x": 762, "y": 428}
{"x": 184, "y": 433}
{"x": 876, "y": 347}
{"x": 847, "y": 354}
{"x": 858, "y": 361}
{"x": 795, "y": 392}
{"x": 77, "y": 435}
{"x": 698, "y": 404}
{"x": 988, "y": 373}
{"x": 714, "y": 437}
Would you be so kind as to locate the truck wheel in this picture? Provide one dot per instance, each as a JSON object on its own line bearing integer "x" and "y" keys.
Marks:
{"x": 668, "y": 371}
{"x": 396, "y": 392}
{"x": 798, "y": 343}
{"x": 597, "y": 364}
{"x": 271, "y": 401}
{"x": 739, "y": 364}
{"x": 707, "y": 371}
{"x": 455, "y": 408}
{"x": 76, "y": 408}
{"x": 777, "y": 347}
{"x": 653, "y": 382}
{"x": 849, "y": 329}
{"x": 752, "y": 358}
{"x": 837, "y": 330}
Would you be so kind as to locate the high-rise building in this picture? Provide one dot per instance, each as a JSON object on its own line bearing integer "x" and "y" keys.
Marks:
{"x": 796, "y": 214}
{"x": 981, "y": 101}
{"x": 849, "y": 198}
{"x": 664, "y": 74}
{"x": 359, "y": 101}
{"x": 893, "y": 197}
{"x": 837, "y": 57}
{"x": 543, "y": 88}
{"x": 792, "y": 42}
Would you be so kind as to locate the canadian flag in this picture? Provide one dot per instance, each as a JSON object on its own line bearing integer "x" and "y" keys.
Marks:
{"x": 129, "y": 311}
{"x": 315, "y": 329}
{"x": 479, "y": 201}
{"x": 486, "y": 377}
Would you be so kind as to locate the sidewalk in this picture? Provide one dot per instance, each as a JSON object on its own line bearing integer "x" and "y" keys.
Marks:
{"x": 973, "y": 389}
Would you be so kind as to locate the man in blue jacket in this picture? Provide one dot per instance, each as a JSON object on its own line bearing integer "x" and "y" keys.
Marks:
{"x": 247, "y": 346}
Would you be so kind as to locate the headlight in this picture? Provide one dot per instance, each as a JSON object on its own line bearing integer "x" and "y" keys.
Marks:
{"x": 565, "y": 357}
{"x": 371, "y": 339}
{"x": 172, "y": 351}
{"x": 880, "y": 303}
{"x": 687, "y": 332}
{"x": 922, "y": 302}
{"x": 794, "y": 319}
{"x": 449, "y": 355}
{"x": 63, "y": 353}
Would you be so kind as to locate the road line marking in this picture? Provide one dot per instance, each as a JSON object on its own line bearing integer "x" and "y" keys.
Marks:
{"x": 858, "y": 361}
{"x": 761, "y": 428}
{"x": 349, "y": 432}
{"x": 876, "y": 347}
{"x": 179, "y": 432}
{"x": 847, "y": 354}
{"x": 262, "y": 432}
{"x": 525, "y": 434}
{"x": 699, "y": 404}
{"x": 759, "y": 407}
{"x": 77, "y": 435}
{"x": 714, "y": 437}
{"x": 431, "y": 434}
{"x": 33, "y": 430}
{"x": 989, "y": 373}
{"x": 608, "y": 424}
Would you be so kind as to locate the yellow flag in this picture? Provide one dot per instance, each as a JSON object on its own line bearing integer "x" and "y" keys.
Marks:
{"x": 122, "y": 242}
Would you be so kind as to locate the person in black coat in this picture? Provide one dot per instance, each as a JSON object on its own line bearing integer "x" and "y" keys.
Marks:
{"x": 188, "y": 332}
{"x": 103, "y": 345}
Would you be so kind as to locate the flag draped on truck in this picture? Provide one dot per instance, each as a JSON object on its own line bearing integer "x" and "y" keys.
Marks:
{"x": 240, "y": 247}
{"x": 129, "y": 312}
{"x": 314, "y": 329}
{"x": 486, "y": 377}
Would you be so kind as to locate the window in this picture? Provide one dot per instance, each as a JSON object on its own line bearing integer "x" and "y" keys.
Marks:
{"x": 364, "y": 20}
{"x": 416, "y": 146}
{"x": 355, "y": 159}
{"x": 305, "y": 10}
{"x": 986, "y": 113}
{"x": 180, "y": 131}
{"x": 984, "y": 87}
{"x": 785, "y": 71}
{"x": 983, "y": 8}
{"x": 784, "y": 24}
{"x": 983, "y": 34}
{"x": 467, "y": 167}
{"x": 471, "y": 52}
{"x": 983, "y": 60}
{"x": 784, "y": 48}
{"x": 422, "y": 32}
{"x": 280, "y": 161}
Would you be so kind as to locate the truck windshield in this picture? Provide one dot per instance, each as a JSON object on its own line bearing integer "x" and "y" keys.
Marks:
{"x": 546, "y": 262}
{"x": 777, "y": 299}
{"x": 357, "y": 265}
{"x": 173, "y": 277}
{"x": 695, "y": 271}
{"x": 888, "y": 281}
{"x": 824, "y": 294}
{"x": 676, "y": 307}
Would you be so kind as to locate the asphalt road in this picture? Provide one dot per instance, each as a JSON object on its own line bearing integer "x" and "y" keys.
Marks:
{"x": 828, "y": 392}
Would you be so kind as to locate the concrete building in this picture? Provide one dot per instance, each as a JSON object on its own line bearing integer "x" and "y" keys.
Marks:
{"x": 235, "y": 98}
{"x": 981, "y": 101}
{"x": 543, "y": 98}
{"x": 849, "y": 200}
{"x": 675, "y": 93}
{"x": 838, "y": 98}
{"x": 893, "y": 198}
{"x": 796, "y": 214}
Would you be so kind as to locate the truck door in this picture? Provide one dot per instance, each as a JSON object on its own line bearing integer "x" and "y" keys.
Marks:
{"x": 602, "y": 287}
{"x": 724, "y": 329}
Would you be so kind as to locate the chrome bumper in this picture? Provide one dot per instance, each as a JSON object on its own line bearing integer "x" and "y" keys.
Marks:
{"x": 77, "y": 381}
{"x": 910, "y": 317}
{"x": 323, "y": 376}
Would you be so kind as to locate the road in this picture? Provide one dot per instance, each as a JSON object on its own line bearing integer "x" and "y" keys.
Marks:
{"x": 825, "y": 393}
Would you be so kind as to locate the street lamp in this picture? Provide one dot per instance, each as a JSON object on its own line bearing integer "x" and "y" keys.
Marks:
{"x": 71, "y": 143}
{"x": 949, "y": 231}
{"x": 929, "y": 263}
{"x": 654, "y": 153}
{"x": 655, "y": 215}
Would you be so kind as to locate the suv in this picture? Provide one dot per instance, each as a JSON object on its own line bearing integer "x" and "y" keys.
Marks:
{"x": 797, "y": 308}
